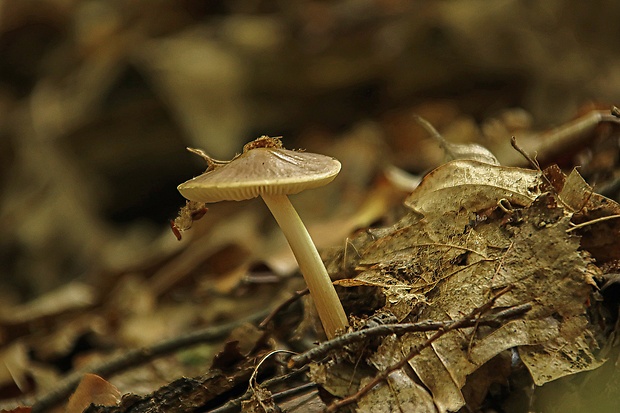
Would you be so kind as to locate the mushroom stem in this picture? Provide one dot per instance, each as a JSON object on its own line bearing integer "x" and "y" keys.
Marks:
{"x": 322, "y": 290}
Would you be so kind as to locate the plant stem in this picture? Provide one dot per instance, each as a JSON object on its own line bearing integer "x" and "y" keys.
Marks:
{"x": 322, "y": 290}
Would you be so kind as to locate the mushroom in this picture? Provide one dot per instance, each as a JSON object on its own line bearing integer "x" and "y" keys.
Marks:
{"x": 268, "y": 170}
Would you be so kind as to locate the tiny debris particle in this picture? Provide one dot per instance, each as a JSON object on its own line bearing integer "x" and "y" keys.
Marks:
{"x": 264, "y": 142}
{"x": 192, "y": 211}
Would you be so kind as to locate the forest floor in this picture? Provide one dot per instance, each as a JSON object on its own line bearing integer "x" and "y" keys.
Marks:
{"x": 478, "y": 272}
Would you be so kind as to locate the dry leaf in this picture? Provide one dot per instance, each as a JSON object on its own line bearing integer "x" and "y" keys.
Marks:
{"x": 476, "y": 228}
{"x": 400, "y": 391}
{"x": 338, "y": 379}
{"x": 599, "y": 239}
{"x": 93, "y": 390}
{"x": 473, "y": 186}
{"x": 18, "y": 410}
{"x": 14, "y": 365}
{"x": 465, "y": 151}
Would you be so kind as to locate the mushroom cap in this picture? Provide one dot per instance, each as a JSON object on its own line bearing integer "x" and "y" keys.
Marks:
{"x": 271, "y": 171}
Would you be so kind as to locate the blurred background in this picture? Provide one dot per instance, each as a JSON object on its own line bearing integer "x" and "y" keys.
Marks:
{"x": 98, "y": 100}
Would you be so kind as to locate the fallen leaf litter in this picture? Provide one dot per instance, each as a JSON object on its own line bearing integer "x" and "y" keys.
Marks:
{"x": 479, "y": 240}
{"x": 455, "y": 249}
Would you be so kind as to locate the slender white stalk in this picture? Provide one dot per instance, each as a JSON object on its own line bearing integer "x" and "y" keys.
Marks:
{"x": 322, "y": 290}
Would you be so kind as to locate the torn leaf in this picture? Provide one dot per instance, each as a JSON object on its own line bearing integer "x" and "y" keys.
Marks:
{"x": 474, "y": 229}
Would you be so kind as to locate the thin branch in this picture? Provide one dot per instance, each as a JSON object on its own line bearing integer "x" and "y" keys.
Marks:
{"x": 536, "y": 165}
{"x": 282, "y": 306}
{"x": 533, "y": 162}
{"x": 136, "y": 357}
{"x": 354, "y": 398}
{"x": 497, "y": 270}
{"x": 253, "y": 381}
{"x": 235, "y": 404}
{"x": 594, "y": 221}
{"x": 438, "y": 244}
{"x": 574, "y": 134}
{"x": 320, "y": 351}
{"x": 301, "y": 389}
{"x": 434, "y": 133}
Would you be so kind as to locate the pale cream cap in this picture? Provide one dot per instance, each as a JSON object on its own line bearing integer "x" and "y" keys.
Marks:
{"x": 271, "y": 171}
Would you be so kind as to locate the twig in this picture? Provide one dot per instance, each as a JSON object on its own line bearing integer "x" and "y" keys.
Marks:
{"x": 235, "y": 404}
{"x": 326, "y": 347}
{"x": 354, "y": 398}
{"x": 439, "y": 244}
{"x": 301, "y": 389}
{"x": 282, "y": 306}
{"x": 136, "y": 357}
{"x": 497, "y": 270}
{"x": 434, "y": 133}
{"x": 536, "y": 165}
{"x": 594, "y": 221}
{"x": 253, "y": 382}
{"x": 574, "y": 133}
{"x": 533, "y": 162}
{"x": 470, "y": 151}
